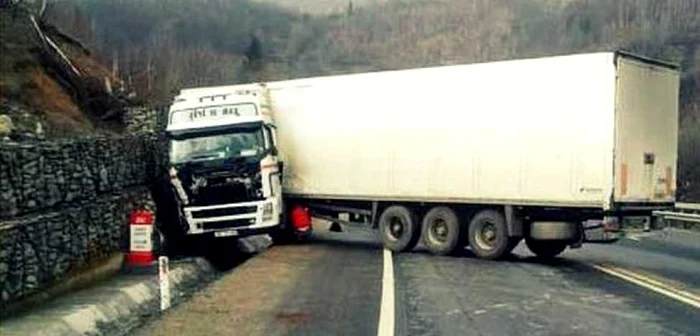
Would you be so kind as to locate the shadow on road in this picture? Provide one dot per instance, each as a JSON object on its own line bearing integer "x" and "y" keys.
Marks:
{"x": 352, "y": 243}
{"x": 223, "y": 253}
{"x": 467, "y": 253}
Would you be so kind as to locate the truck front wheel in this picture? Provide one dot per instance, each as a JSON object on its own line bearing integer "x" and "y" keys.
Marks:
{"x": 488, "y": 235}
{"x": 283, "y": 236}
{"x": 398, "y": 227}
{"x": 441, "y": 230}
{"x": 545, "y": 249}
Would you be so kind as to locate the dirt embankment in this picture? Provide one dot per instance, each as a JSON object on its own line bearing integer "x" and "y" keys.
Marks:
{"x": 50, "y": 84}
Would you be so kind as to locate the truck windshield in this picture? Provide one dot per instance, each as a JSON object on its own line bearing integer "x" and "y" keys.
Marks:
{"x": 241, "y": 142}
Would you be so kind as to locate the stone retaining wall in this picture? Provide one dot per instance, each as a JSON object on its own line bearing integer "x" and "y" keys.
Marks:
{"x": 46, "y": 174}
{"x": 64, "y": 206}
{"x": 145, "y": 120}
{"x": 39, "y": 249}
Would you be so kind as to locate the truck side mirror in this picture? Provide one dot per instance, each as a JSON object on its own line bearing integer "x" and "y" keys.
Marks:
{"x": 273, "y": 151}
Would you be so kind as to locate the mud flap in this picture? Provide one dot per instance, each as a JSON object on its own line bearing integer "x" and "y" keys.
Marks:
{"x": 514, "y": 223}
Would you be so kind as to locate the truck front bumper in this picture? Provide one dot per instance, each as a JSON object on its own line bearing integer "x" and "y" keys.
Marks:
{"x": 236, "y": 219}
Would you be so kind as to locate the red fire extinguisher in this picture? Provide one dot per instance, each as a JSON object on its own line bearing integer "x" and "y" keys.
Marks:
{"x": 141, "y": 233}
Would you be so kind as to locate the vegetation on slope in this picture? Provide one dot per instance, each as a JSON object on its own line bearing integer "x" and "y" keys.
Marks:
{"x": 207, "y": 41}
{"x": 49, "y": 82}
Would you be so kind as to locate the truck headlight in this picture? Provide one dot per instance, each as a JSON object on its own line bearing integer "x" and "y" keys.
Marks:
{"x": 267, "y": 212}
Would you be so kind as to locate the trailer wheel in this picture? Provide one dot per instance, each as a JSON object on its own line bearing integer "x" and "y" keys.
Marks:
{"x": 488, "y": 235}
{"x": 441, "y": 230}
{"x": 398, "y": 227}
{"x": 545, "y": 249}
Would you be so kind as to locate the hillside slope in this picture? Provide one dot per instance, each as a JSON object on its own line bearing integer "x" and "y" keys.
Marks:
{"x": 35, "y": 93}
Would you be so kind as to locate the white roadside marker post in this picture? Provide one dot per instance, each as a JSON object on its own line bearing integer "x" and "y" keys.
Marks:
{"x": 163, "y": 274}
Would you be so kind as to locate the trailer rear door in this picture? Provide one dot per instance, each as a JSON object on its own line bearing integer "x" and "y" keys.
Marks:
{"x": 646, "y": 131}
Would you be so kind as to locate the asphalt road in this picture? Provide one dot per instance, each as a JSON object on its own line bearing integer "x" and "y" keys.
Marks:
{"x": 333, "y": 286}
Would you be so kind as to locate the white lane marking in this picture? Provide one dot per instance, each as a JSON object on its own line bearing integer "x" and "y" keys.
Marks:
{"x": 651, "y": 284}
{"x": 386, "y": 312}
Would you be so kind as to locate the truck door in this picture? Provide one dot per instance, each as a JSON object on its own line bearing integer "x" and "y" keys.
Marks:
{"x": 646, "y": 131}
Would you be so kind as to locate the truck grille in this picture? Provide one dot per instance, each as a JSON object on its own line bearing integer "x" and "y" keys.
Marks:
{"x": 221, "y": 194}
{"x": 224, "y": 212}
{"x": 228, "y": 224}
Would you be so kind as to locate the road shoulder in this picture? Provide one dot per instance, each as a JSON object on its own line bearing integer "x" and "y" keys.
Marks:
{"x": 114, "y": 307}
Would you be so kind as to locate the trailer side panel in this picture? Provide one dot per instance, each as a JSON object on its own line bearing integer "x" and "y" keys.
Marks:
{"x": 537, "y": 131}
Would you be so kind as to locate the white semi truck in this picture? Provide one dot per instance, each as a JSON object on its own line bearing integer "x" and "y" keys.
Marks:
{"x": 480, "y": 155}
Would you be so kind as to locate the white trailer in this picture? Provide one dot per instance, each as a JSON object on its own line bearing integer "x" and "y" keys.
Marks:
{"x": 482, "y": 154}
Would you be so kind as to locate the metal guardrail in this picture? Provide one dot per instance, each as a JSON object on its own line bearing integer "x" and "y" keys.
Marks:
{"x": 680, "y": 216}
{"x": 688, "y": 206}
{"x": 683, "y": 212}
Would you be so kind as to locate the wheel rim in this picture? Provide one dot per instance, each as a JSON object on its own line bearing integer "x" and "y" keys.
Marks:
{"x": 486, "y": 235}
{"x": 396, "y": 228}
{"x": 438, "y": 231}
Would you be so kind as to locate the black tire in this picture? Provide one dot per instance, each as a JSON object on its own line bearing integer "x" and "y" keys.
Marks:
{"x": 398, "y": 227}
{"x": 441, "y": 231}
{"x": 176, "y": 241}
{"x": 283, "y": 236}
{"x": 546, "y": 249}
{"x": 488, "y": 235}
{"x": 284, "y": 233}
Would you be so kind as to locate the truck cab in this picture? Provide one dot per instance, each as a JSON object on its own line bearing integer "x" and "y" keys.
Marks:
{"x": 223, "y": 162}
